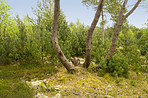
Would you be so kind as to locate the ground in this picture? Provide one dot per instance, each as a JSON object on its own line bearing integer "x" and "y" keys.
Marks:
{"x": 87, "y": 84}
{"x": 48, "y": 81}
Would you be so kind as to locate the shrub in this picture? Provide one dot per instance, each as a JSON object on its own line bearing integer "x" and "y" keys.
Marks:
{"x": 117, "y": 65}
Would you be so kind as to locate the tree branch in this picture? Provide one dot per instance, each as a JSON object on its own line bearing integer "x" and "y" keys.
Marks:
{"x": 131, "y": 11}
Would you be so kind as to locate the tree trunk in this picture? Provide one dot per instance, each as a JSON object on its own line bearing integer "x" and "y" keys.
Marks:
{"x": 121, "y": 18}
{"x": 102, "y": 27}
{"x": 118, "y": 26}
{"x": 89, "y": 35}
{"x": 56, "y": 46}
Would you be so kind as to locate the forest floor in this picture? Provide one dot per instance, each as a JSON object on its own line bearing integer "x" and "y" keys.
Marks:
{"x": 84, "y": 83}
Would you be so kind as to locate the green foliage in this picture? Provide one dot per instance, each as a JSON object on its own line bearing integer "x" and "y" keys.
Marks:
{"x": 144, "y": 68}
{"x": 99, "y": 49}
{"x": 133, "y": 82}
{"x": 77, "y": 38}
{"x": 110, "y": 6}
{"x": 118, "y": 80}
{"x": 128, "y": 42}
{"x": 142, "y": 42}
{"x": 8, "y": 31}
{"x": 46, "y": 87}
{"x": 117, "y": 65}
{"x": 29, "y": 41}
{"x": 144, "y": 49}
{"x": 103, "y": 69}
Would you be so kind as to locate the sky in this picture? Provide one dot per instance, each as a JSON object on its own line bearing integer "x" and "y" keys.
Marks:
{"x": 74, "y": 10}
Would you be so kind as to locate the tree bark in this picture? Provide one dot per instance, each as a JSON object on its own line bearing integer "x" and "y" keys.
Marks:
{"x": 118, "y": 26}
{"x": 102, "y": 27}
{"x": 56, "y": 46}
{"x": 132, "y": 10}
{"x": 89, "y": 35}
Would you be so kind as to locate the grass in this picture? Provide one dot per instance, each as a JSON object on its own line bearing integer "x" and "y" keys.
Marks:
{"x": 12, "y": 79}
{"x": 13, "y": 89}
{"x": 27, "y": 71}
{"x": 85, "y": 84}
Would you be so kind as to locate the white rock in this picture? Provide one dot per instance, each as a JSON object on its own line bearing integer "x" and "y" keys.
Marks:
{"x": 40, "y": 95}
{"x": 108, "y": 96}
{"x": 81, "y": 62}
{"x": 109, "y": 88}
{"x": 36, "y": 83}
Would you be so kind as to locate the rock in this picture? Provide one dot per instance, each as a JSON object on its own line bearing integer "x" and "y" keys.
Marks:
{"x": 40, "y": 95}
{"x": 36, "y": 83}
{"x": 109, "y": 88}
{"x": 81, "y": 62}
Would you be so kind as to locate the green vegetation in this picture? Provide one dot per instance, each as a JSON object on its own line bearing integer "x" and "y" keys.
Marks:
{"x": 17, "y": 89}
{"x": 12, "y": 79}
{"x": 26, "y": 53}
{"x": 84, "y": 83}
{"x": 27, "y": 71}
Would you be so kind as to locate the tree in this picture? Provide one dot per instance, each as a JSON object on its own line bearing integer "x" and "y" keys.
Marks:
{"x": 111, "y": 7}
{"x": 90, "y": 32}
{"x": 56, "y": 46}
{"x": 121, "y": 18}
{"x": 102, "y": 27}
{"x": 8, "y": 32}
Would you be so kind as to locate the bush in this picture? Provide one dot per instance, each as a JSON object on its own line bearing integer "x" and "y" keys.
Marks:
{"x": 117, "y": 65}
{"x": 132, "y": 53}
{"x": 144, "y": 49}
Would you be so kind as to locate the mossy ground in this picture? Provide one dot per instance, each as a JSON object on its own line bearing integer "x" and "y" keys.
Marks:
{"x": 84, "y": 83}
{"x": 13, "y": 77}
{"x": 87, "y": 84}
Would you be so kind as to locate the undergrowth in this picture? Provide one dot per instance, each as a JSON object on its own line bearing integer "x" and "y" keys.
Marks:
{"x": 12, "y": 79}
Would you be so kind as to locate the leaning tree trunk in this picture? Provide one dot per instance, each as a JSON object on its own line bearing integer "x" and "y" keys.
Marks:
{"x": 122, "y": 17}
{"x": 56, "y": 46}
{"x": 102, "y": 27}
{"x": 89, "y": 35}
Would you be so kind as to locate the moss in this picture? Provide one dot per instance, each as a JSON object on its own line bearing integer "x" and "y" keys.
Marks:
{"x": 65, "y": 78}
{"x": 12, "y": 85}
{"x": 11, "y": 89}
{"x": 23, "y": 71}
{"x": 67, "y": 93}
{"x": 107, "y": 76}
{"x": 86, "y": 82}
{"x": 145, "y": 90}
